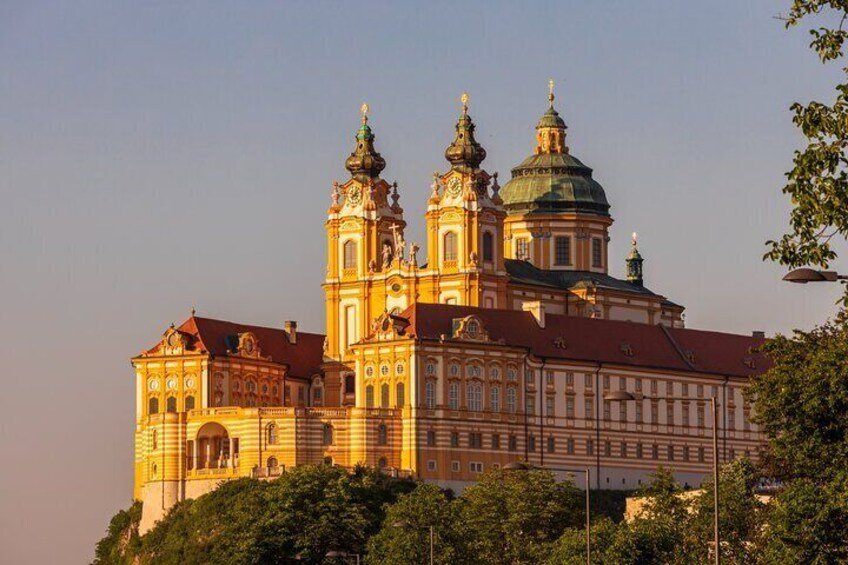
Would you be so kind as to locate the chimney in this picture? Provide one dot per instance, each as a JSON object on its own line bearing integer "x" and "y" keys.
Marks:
{"x": 536, "y": 308}
{"x": 756, "y": 334}
{"x": 291, "y": 329}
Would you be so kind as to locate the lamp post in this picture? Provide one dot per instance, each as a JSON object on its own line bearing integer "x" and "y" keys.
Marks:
{"x": 337, "y": 554}
{"x": 521, "y": 466}
{"x": 805, "y": 275}
{"x": 406, "y": 525}
{"x": 624, "y": 396}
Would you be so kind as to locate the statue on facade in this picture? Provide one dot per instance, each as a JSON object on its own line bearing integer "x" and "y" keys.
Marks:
{"x": 387, "y": 255}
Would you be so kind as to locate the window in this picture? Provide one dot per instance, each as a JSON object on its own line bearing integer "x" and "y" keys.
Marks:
{"x": 522, "y": 248}
{"x": 382, "y": 435}
{"x": 685, "y": 389}
{"x": 450, "y": 246}
{"x": 701, "y": 455}
{"x": 453, "y": 396}
{"x": 587, "y": 381}
{"x": 607, "y": 410}
{"x": 511, "y": 374}
{"x": 454, "y": 439}
{"x": 569, "y": 446}
{"x": 569, "y": 380}
{"x": 590, "y": 447}
{"x": 369, "y": 371}
{"x": 271, "y": 433}
{"x": 669, "y": 388}
{"x": 588, "y": 408}
{"x": 530, "y": 407}
{"x": 350, "y": 384}
{"x": 349, "y": 254}
{"x": 669, "y": 414}
{"x": 700, "y": 391}
{"x": 384, "y": 395}
{"x": 607, "y": 449}
{"x": 562, "y": 250}
{"x": 528, "y": 377}
{"x": 510, "y": 400}
{"x": 189, "y": 403}
{"x": 475, "y": 440}
{"x": 623, "y": 449}
{"x": 430, "y": 369}
{"x": 655, "y": 413}
{"x": 606, "y": 382}
{"x": 430, "y": 395}
{"x": 495, "y": 399}
{"x": 531, "y": 443}
{"x": 455, "y": 466}
{"x": 431, "y": 438}
{"x": 399, "y": 366}
{"x": 473, "y": 370}
{"x": 496, "y": 441}
{"x": 488, "y": 247}
{"x": 639, "y": 418}
{"x": 731, "y": 418}
{"x": 155, "y": 440}
{"x": 369, "y": 396}
{"x": 384, "y": 370}
{"x": 622, "y": 383}
{"x": 475, "y": 467}
{"x": 453, "y": 369}
{"x": 597, "y": 259}
{"x": 431, "y": 465}
{"x": 171, "y": 404}
{"x": 495, "y": 372}
{"x": 327, "y": 435}
{"x": 653, "y": 386}
{"x": 671, "y": 453}
{"x": 549, "y": 378}
{"x": 549, "y": 406}
{"x": 686, "y": 453}
{"x": 551, "y": 444}
{"x": 700, "y": 416}
{"x": 399, "y": 394}
{"x": 569, "y": 407}
{"x": 513, "y": 443}
{"x": 639, "y": 452}
{"x": 685, "y": 409}
{"x": 316, "y": 395}
{"x": 638, "y": 385}
{"x": 655, "y": 451}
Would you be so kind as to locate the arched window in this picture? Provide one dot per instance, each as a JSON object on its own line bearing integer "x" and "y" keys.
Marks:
{"x": 272, "y": 462}
{"x": 430, "y": 395}
{"x": 369, "y": 396}
{"x": 488, "y": 247}
{"x": 495, "y": 399}
{"x": 399, "y": 394}
{"x": 453, "y": 396}
{"x": 171, "y": 404}
{"x": 189, "y": 403}
{"x": 384, "y": 395}
{"x": 510, "y": 400}
{"x": 271, "y": 433}
{"x": 349, "y": 254}
{"x": 328, "y": 435}
{"x": 382, "y": 435}
{"x": 474, "y": 395}
{"x": 450, "y": 246}
{"x": 153, "y": 406}
{"x": 317, "y": 395}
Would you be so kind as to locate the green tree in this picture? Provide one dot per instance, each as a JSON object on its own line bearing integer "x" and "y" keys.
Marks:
{"x": 517, "y": 516}
{"x": 818, "y": 181}
{"x": 570, "y": 548}
{"x": 121, "y": 543}
{"x": 405, "y": 535}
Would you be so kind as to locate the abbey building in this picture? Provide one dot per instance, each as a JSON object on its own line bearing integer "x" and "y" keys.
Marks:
{"x": 496, "y": 341}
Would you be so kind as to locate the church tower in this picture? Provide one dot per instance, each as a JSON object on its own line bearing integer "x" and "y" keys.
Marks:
{"x": 465, "y": 226}
{"x": 557, "y": 214}
{"x": 364, "y": 243}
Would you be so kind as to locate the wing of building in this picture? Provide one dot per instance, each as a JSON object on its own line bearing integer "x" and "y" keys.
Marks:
{"x": 499, "y": 344}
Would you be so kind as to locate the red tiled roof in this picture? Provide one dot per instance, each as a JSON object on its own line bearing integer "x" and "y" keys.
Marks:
{"x": 600, "y": 341}
{"x": 218, "y": 336}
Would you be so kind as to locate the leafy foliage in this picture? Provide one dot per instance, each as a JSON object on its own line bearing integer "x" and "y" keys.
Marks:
{"x": 121, "y": 542}
{"x": 818, "y": 182}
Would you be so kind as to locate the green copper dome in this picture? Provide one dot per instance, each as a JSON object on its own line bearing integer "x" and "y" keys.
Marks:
{"x": 553, "y": 182}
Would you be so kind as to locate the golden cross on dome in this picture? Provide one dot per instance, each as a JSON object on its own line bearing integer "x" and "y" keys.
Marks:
{"x": 464, "y": 100}
{"x": 364, "y": 109}
{"x": 551, "y": 92}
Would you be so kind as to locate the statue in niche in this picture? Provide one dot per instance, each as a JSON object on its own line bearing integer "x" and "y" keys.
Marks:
{"x": 387, "y": 255}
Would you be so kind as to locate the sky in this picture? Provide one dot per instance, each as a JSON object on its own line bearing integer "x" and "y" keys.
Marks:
{"x": 159, "y": 156}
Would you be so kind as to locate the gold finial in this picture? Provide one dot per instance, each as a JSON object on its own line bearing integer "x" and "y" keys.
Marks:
{"x": 193, "y": 311}
{"x": 635, "y": 236}
{"x": 464, "y": 100}
{"x": 551, "y": 92}
{"x": 364, "y": 109}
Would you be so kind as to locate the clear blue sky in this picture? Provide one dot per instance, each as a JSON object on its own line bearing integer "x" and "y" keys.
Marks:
{"x": 157, "y": 156}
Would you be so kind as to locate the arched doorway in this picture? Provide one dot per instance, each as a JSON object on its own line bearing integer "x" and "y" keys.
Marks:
{"x": 212, "y": 447}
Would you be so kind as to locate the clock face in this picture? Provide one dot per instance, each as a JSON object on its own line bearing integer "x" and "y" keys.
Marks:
{"x": 172, "y": 384}
{"x": 454, "y": 186}
{"x": 354, "y": 195}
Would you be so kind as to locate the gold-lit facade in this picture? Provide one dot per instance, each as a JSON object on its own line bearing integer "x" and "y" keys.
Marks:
{"x": 496, "y": 343}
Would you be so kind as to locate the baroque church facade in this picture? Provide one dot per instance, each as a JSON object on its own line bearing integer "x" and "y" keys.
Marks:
{"x": 497, "y": 343}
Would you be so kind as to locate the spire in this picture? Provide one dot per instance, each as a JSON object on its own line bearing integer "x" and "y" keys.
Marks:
{"x": 365, "y": 163}
{"x": 634, "y": 264}
{"x": 465, "y": 154}
{"x": 550, "y": 131}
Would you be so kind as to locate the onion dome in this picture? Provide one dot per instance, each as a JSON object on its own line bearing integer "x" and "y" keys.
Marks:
{"x": 552, "y": 180}
{"x": 365, "y": 163}
{"x": 465, "y": 154}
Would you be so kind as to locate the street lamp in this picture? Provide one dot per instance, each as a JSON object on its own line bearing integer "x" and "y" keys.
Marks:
{"x": 805, "y": 275}
{"x": 406, "y": 525}
{"x": 338, "y": 554}
{"x": 522, "y": 466}
{"x": 624, "y": 396}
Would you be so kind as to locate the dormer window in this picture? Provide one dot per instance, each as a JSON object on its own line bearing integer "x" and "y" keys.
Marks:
{"x": 472, "y": 328}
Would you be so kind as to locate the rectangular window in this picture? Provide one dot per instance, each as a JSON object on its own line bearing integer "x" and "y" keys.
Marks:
{"x": 655, "y": 414}
{"x": 669, "y": 416}
{"x": 608, "y": 449}
{"x": 531, "y": 404}
{"x": 475, "y": 440}
{"x": 654, "y": 389}
{"x": 569, "y": 446}
{"x": 562, "y": 250}
{"x": 431, "y": 465}
{"x": 569, "y": 408}
{"x": 569, "y": 381}
{"x": 686, "y": 454}
{"x": 549, "y": 408}
{"x": 590, "y": 447}
{"x": 522, "y": 248}
{"x": 488, "y": 247}
{"x": 701, "y": 393}
{"x": 597, "y": 259}
{"x": 655, "y": 451}
{"x": 587, "y": 383}
{"x": 639, "y": 389}
{"x": 671, "y": 454}
{"x": 640, "y": 453}
{"x": 701, "y": 417}
{"x": 685, "y": 391}
{"x": 622, "y": 383}
{"x": 685, "y": 409}
{"x": 475, "y": 467}
{"x": 588, "y": 409}
{"x": 607, "y": 384}
{"x": 624, "y": 449}
{"x": 531, "y": 443}
{"x": 669, "y": 390}
{"x": 549, "y": 379}
{"x": 431, "y": 438}
{"x": 513, "y": 443}
{"x": 607, "y": 410}
{"x": 702, "y": 456}
{"x": 454, "y": 439}
{"x": 639, "y": 419}
{"x": 455, "y": 466}
{"x": 552, "y": 445}
{"x": 731, "y": 419}
{"x": 350, "y": 385}
{"x": 496, "y": 442}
